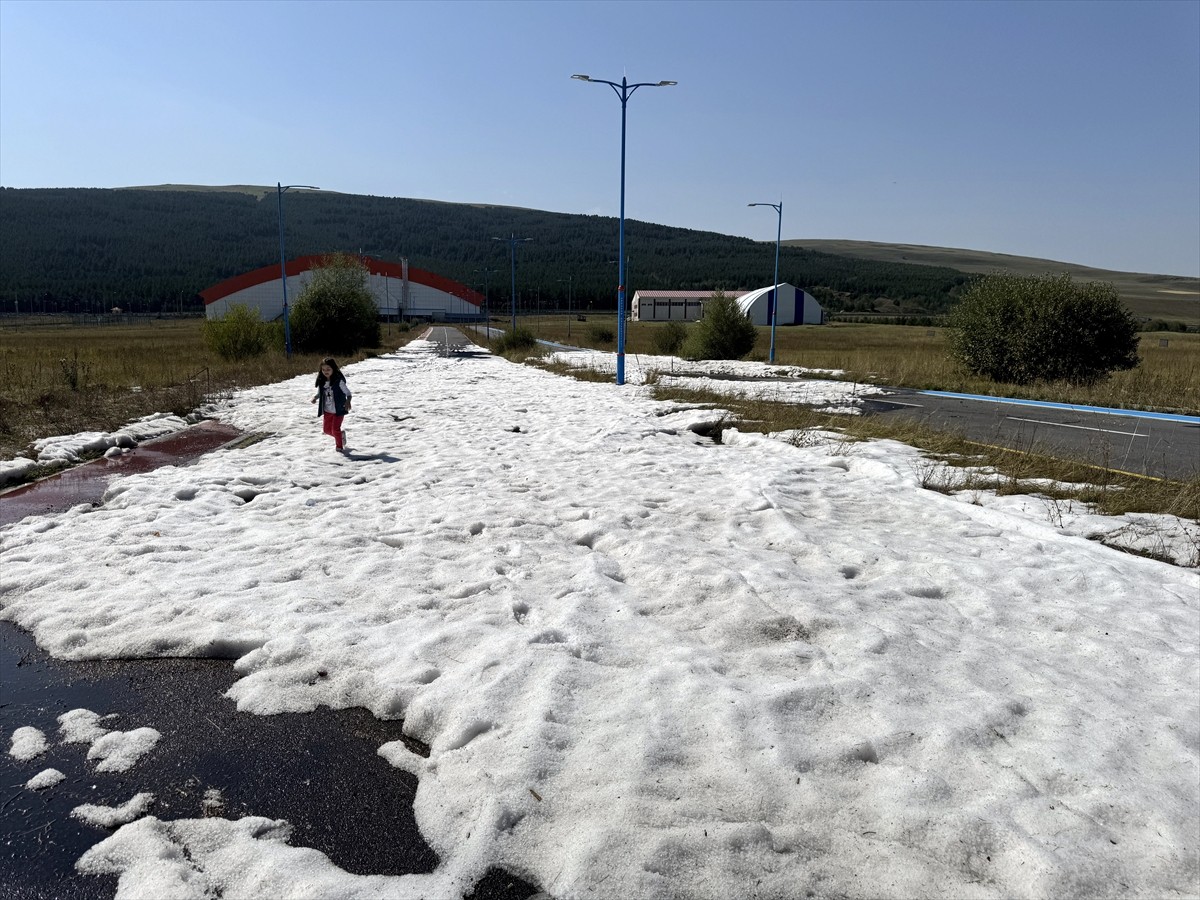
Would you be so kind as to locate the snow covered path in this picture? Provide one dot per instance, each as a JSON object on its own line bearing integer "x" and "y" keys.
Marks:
{"x": 647, "y": 665}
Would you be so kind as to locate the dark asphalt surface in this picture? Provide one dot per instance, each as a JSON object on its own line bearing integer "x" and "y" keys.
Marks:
{"x": 452, "y": 342}
{"x": 320, "y": 771}
{"x": 1128, "y": 442}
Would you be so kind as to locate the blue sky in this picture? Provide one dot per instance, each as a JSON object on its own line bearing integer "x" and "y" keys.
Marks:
{"x": 1064, "y": 130}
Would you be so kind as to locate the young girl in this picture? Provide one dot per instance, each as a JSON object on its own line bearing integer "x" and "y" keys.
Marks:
{"x": 334, "y": 394}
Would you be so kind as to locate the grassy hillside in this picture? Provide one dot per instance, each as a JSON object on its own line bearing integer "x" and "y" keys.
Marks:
{"x": 1151, "y": 296}
{"x": 155, "y": 248}
{"x": 255, "y": 190}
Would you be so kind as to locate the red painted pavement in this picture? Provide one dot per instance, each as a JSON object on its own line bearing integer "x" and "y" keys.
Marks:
{"x": 88, "y": 482}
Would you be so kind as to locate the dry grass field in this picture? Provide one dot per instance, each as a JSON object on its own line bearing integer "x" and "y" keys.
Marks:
{"x": 61, "y": 378}
{"x": 1172, "y": 297}
{"x": 1168, "y": 380}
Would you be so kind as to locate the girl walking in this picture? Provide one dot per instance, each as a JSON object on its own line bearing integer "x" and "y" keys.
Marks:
{"x": 334, "y": 394}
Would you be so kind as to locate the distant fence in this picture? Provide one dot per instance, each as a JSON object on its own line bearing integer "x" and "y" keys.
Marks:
{"x": 883, "y": 319}
{"x": 83, "y": 320}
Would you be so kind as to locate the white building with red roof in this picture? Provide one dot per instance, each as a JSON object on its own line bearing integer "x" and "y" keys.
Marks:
{"x": 400, "y": 290}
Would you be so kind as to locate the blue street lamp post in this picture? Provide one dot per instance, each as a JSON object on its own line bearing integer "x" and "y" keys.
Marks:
{"x": 513, "y": 240}
{"x": 624, "y": 91}
{"x": 287, "y": 327}
{"x": 778, "y": 207}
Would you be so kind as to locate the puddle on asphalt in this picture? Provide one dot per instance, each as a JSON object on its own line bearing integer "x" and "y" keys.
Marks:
{"x": 320, "y": 771}
{"x": 87, "y": 483}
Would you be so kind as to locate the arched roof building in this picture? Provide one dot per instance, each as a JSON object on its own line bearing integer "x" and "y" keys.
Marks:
{"x": 399, "y": 289}
{"x": 796, "y": 306}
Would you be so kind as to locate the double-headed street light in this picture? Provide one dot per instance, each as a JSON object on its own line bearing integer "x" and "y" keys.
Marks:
{"x": 778, "y": 207}
{"x": 287, "y": 327}
{"x": 624, "y": 91}
{"x": 513, "y": 240}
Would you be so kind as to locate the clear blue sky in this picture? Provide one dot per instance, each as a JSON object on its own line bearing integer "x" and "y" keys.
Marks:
{"x": 1063, "y": 130}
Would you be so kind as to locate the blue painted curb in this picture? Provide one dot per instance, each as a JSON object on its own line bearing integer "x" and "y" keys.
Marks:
{"x": 1046, "y": 404}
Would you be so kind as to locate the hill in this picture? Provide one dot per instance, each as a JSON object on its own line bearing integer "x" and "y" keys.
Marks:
{"x": 1150, "y": 296}
{"x": 156, "y": 247}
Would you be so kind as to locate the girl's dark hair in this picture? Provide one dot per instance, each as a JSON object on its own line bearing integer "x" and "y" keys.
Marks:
{"x": 337, "y": 373}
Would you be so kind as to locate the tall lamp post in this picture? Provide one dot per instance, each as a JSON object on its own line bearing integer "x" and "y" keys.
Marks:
{"x": 778, "y": 207}
{"x": 570, "y": 280}
{"x": 624, "y": 91}
{"x": 513, "y": 240}
{"x": 287, "y": 327}
{"x": 486, "y": 272}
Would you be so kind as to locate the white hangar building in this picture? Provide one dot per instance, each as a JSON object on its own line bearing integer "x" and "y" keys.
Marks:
{"x": 400, "y": 290}
{"x": 796, "y": 306}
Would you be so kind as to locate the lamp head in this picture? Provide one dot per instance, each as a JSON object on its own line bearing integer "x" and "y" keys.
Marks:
{"x": 666, "y": 83}
{"x": 582, "y": 77}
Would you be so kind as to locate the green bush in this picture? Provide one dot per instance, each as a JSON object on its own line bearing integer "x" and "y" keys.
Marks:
{"x": 1022, "y": 329}
{"x": 336, "y": 313}
{"x": 240, "y": 334}
{"x": 518, "y": 340}
{"x": 669, "y": 338}
{"x": 725, "y": 332}
{"x": 601, "y": 334}
{"x": 1164, "y": 325}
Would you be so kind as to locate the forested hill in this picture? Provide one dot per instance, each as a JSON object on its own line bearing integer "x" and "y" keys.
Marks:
{"x": 78, "y": 249}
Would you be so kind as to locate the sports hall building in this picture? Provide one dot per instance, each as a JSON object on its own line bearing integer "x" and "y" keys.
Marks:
{"x": 796, "y": 306}
{"x": 401, "y": 291}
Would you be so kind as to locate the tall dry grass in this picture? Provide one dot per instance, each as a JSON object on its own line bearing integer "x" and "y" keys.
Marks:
{"x": 61, "y": 378}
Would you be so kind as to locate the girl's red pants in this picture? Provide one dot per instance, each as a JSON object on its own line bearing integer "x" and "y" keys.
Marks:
{"x": 333, "y": 427}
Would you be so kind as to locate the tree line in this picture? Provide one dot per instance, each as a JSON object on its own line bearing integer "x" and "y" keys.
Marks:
{"x": 89, "y": 249}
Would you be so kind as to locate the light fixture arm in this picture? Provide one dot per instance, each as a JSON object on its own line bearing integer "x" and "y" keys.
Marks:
{"x": 280, "y": 189}
{"x": 778, "y": 207}
{"x": 624, "y": 91}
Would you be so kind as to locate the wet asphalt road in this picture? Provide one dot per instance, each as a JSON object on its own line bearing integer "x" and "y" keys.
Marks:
{"x": 320, "y": 771}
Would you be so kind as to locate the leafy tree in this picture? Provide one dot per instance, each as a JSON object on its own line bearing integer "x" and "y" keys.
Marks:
{"x": 725, "y": 332}
{"x": 239, "y": 334}
{"x": 669, "y": 338}
{"x": 1023, "y": 329}
{"x": 336, "y": 312}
